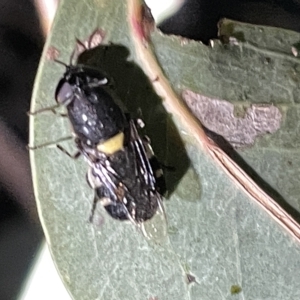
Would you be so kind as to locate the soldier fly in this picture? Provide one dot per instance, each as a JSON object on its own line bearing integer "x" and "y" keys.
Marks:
{"x": 123, "y": 170}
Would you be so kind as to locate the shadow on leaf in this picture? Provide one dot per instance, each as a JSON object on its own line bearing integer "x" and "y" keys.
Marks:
{"x": 132, "y": 86}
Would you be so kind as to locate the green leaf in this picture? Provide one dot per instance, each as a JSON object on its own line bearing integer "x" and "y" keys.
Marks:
{"x": 218, "y": 237}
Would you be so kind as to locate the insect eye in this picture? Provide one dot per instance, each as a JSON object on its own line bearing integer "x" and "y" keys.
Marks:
{"x": 64, "y": 93}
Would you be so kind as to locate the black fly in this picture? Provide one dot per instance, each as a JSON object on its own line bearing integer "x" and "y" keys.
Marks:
{"x": 123, "y": 170}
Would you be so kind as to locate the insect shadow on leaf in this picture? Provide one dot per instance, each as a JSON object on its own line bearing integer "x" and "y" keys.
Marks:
{"x": 135, "y": 92}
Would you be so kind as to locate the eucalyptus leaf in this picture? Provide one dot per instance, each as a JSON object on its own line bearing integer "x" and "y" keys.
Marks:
{"x": 218, "y": 237}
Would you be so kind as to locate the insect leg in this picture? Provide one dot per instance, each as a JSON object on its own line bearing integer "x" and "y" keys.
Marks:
{"x": 73, "y": 156}
{"x": 49, "y": 143}
{"x": 167, "y": 168}
{"x": 49, "y": 108}
{"x": 93, "y": 208}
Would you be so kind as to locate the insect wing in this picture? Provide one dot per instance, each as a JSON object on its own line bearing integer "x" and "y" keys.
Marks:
{"x": 144, "y": 170}
{"x": 103, "y": 179}
{"x": 154, "y": 228}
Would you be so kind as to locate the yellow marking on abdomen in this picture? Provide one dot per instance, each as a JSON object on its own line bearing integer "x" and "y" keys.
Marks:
{"x": 112, "y": 145}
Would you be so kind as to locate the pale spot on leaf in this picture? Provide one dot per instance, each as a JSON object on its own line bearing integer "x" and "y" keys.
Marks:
{"x": 218, "y": 116}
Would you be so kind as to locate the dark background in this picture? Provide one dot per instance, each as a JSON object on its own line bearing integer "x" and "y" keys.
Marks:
{"x": 21, "y": 43}
{"x": 197, "y": 19}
